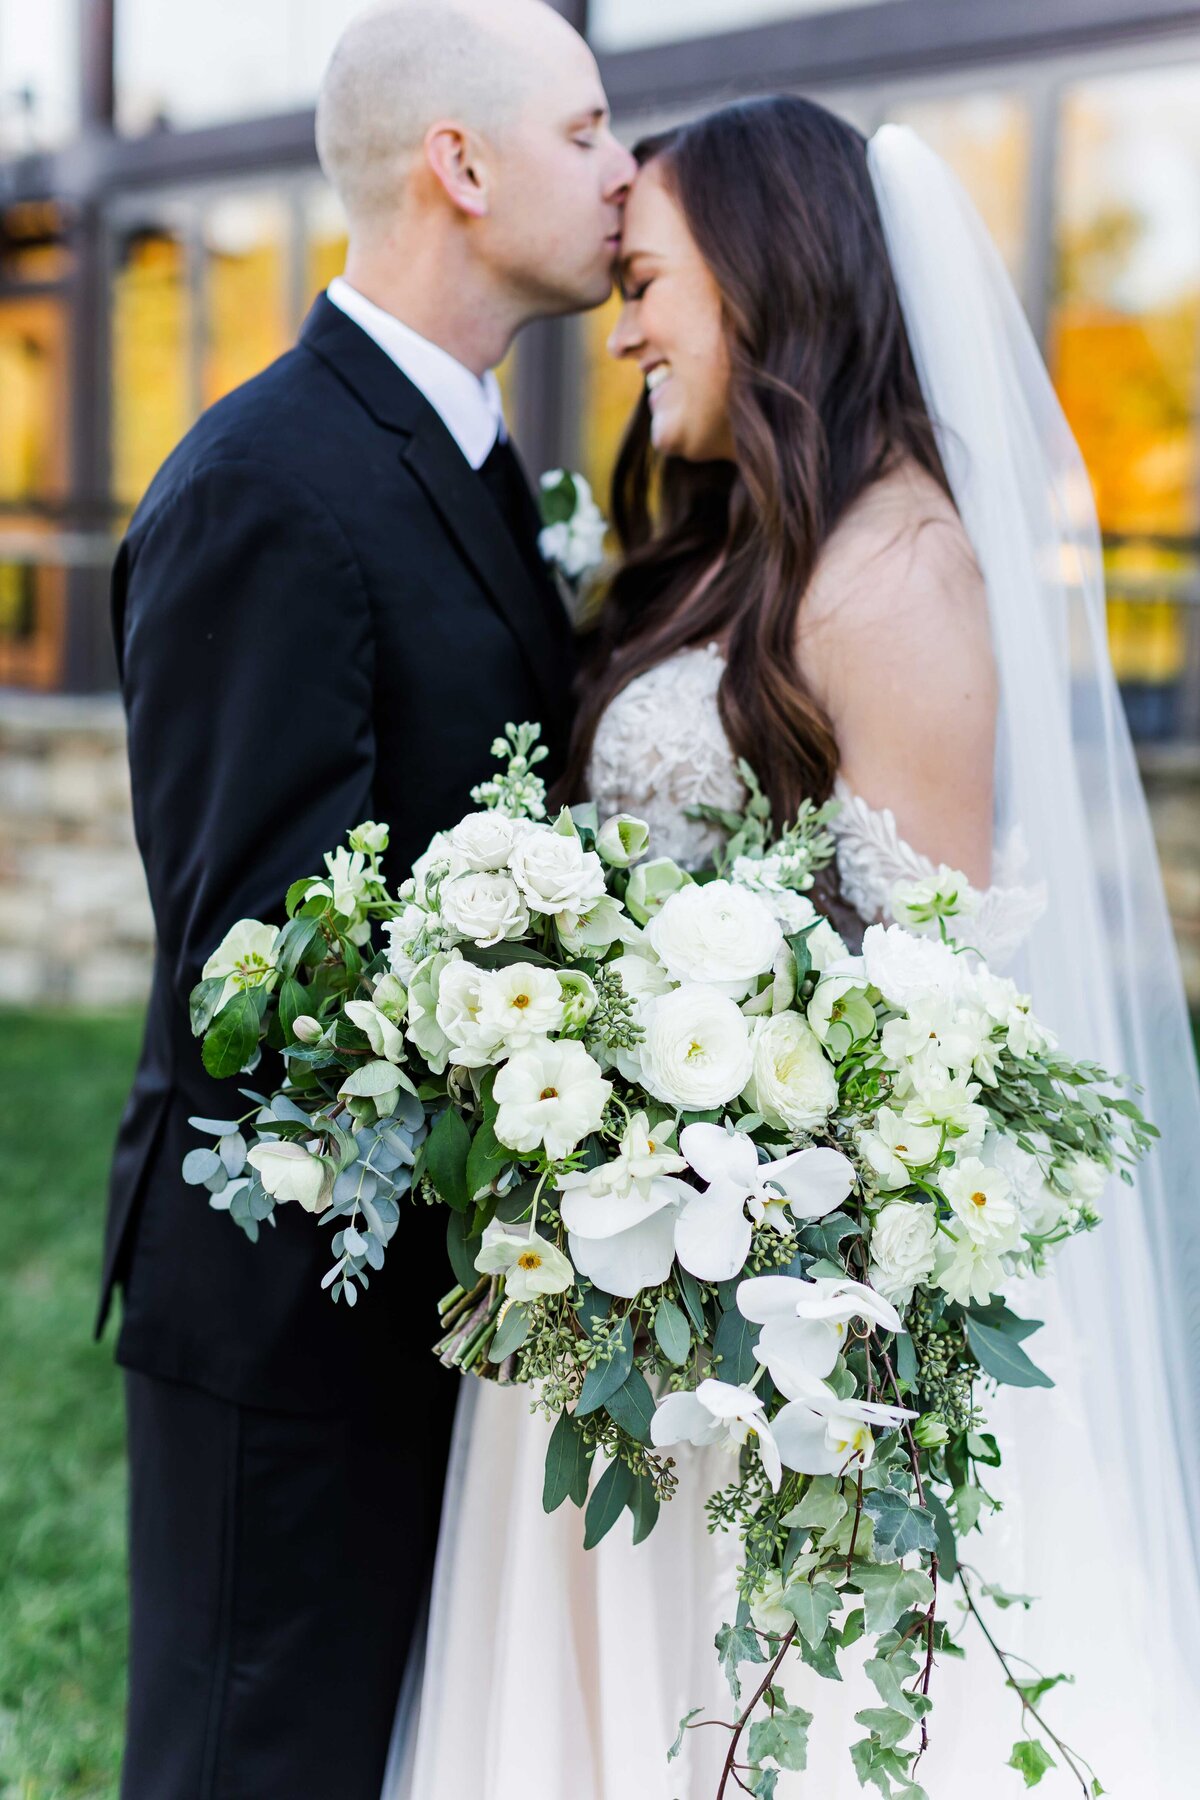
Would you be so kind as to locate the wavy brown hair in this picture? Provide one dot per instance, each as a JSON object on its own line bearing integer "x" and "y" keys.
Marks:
{"x": 823, "y": 400}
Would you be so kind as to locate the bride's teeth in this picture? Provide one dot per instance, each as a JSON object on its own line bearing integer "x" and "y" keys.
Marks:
{"x": 657, "y": 376}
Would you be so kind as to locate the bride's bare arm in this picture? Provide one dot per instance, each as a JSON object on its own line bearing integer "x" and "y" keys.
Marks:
{"x": 894, "y": 641}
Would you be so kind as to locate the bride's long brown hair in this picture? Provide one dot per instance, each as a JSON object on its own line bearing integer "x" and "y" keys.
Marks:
{"x": 823, "y": 399}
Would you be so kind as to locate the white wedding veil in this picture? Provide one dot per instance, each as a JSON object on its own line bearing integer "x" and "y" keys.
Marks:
{"x": 1101, "y": 963}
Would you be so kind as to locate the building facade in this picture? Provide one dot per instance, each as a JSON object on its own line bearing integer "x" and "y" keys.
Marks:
{"x": 164, "y": 227}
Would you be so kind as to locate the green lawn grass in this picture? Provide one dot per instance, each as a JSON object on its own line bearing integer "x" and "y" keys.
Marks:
{"x": 63, "y": 1079}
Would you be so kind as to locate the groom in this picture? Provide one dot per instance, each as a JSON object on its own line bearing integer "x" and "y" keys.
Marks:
{"x": 328, "y": 604}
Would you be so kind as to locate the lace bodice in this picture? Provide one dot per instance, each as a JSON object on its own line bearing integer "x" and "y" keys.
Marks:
{"x": 660, "y": 747}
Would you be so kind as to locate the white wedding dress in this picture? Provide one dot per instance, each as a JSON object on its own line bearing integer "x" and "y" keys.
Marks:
{"x": 555, "y": 1673}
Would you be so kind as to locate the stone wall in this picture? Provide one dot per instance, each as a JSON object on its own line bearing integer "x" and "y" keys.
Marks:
{"x": 75, "y": 924}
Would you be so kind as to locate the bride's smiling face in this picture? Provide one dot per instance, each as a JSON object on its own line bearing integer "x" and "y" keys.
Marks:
{"x": 671, "y": 325}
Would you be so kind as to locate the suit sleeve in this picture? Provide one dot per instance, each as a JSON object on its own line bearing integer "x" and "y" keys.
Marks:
{"x": 247, "y": 657}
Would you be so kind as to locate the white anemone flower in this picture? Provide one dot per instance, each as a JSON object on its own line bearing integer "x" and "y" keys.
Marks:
{"x": 550, "y": 1096}
{"x": 820, "y": 1434}
{"x": 712, "y": 1238}
{"x": 804, "y": 1323}
{"x": 530, "y": 1264}
{"x": 717, "y": 1412}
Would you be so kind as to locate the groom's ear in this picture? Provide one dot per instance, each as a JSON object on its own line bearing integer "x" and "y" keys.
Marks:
{"x": 456, "y": 158}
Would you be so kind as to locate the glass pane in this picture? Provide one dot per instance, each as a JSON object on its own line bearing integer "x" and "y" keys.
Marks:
{"x": 195, "y": 62}
{"x": 623, "y": 24}
{"x": 985, "y": 138}
{"x": 1125, "y": 346}
{"x": 245, "y": 295}
{"x": 325, "y": 238}
{"x": 611, "y": 391}
{"x": 33, "y": 469}
{"x": 39, "y": 53}
{"x": 152, "y": 403}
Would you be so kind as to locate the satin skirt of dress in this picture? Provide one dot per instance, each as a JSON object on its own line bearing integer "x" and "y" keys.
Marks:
{"x": 555, "y": 1673}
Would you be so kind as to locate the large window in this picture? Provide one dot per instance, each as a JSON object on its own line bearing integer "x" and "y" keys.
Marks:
{"x": 624, "y": 24}
{"x": 39, "y": 47}
{"x": 198, "y": 62}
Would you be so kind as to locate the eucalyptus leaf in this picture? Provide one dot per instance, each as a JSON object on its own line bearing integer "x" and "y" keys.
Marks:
{"x": 631, "y": 1406}
{"x": 1001, "y": 1357}
{"x": 568, "y": 1465}
{"x": 199, "y": 1166}
{"x": 511, "y": 1333}
{"x": 672, "y": 1332}
{"x": 604, "y": 1378}
{"x": 612, "y": 1493}
{"x": 733, "y": 1343}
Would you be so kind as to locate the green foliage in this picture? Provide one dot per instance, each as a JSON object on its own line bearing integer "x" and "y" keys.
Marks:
{"x": 1031, "y": 1759}
{"x": 446, "y": 1152}
{"x": 738, "y": 1644}
{"x": 612, "y": 1494}
{"x": 568, "y": 1465}
{"x": 783, "y": 1736}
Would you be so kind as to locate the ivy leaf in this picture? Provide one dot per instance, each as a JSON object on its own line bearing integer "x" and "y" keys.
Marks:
{"x": 672, "y": 1332}
{"x": 885, "y": 1723}
{"x": 611, "y": 1495}
{"x": 1031, "y": 1759}
{"x": 888, "y": 1589}
{"x": 887, "y": 1685}
{"x": 231, "y": 1038}
{"x": 446, "y": 1151}
{"x": 823, "y": 1237}
{"x": 733, "y": 1343}
{"x": 604, "y": 1378}
{"x": 1001, "y": 1357}
{"x": 822, "y": 1657}
{"x": 686, "y": 1720}
{"x": 900, "y": 1527}
{"x": 823, "y": 1506}
{"x": 1032, "y": 1691}
{"x": 631, "y": 1406}
{"x": 737, "y": 1644}
{"x": 784, "y": 1737}
{"x": 568, "y": 1465}
{"x": 763, "y": 1783}
{"x": 812, "y": 1605}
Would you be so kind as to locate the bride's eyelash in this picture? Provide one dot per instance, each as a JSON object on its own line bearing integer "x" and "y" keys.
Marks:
{"x": 632, "y": 294}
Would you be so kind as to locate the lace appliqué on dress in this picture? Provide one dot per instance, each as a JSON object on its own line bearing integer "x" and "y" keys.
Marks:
{"x": 661, "y": 747}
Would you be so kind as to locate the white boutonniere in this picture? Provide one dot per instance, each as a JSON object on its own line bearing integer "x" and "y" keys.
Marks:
{"x": 573, "y": 527}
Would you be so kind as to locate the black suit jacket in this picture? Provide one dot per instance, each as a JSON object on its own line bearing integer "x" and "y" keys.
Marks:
{"x": 321, "y": 616}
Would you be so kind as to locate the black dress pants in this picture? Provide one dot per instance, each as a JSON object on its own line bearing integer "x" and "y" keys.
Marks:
{"x": 278, "y": 1568}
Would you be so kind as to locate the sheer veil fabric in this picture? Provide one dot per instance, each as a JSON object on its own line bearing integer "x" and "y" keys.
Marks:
{"x": 551, "y": 1673}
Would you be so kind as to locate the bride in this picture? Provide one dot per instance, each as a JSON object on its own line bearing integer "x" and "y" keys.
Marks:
{"x": 859, "y": 552}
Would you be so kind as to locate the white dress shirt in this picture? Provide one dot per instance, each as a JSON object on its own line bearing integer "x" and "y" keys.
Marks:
{"x": 470, "y": 408}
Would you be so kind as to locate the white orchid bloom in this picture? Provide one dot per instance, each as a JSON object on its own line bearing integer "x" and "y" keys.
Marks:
{"x": 804, "y": 1323}
{"x": 820, "y": 1434}
{"x": 621, "y": 1216}
{"x": 717, "y": 1412}
{"x": 712, "y": 1238}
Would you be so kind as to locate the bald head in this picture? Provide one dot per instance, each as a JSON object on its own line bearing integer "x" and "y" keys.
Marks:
{"x": 406, "y": 65}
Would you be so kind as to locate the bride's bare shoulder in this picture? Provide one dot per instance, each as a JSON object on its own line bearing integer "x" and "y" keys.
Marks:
{"x": 898, "y": 564}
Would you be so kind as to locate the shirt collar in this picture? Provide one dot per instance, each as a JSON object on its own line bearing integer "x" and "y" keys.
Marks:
{"x": 470, "y": 408}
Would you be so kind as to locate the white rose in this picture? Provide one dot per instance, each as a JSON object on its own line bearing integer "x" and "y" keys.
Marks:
{"x": 519, "y": 1003}
{"x": 716, "y": 933}
{"x": 793, "y": 1085}
{"x": 288, "y": 1172}
{"x": 556, "y": 874}
{"x": 483, "y": 841}
{"x": 485, "y": 908}
{"x": 549, "y": 1096}
{"x": 473, "y": 1044}
{"x": 906, "y": 968}
{"x": 903, "y": 1249}
{"x": 697, "y": 1052}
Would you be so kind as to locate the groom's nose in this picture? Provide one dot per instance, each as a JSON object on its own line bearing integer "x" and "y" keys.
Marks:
{"x": 620, "y": 180}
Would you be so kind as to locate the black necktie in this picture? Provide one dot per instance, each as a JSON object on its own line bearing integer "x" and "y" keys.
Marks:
{"x": 505, "y": 481}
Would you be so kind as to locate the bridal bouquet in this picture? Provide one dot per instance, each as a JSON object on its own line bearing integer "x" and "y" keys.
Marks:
{"x": 708, "y": 1179}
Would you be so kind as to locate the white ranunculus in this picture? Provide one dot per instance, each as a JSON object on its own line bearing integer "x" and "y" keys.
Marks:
{"x": 474, "y": 1042}
{"x": 519, "y": 1003}
{"x": 550, "y": 1096}
{"x": 696, "y": 1052}
{"x": 288, "y": 1172}
{"x": 717, "y": 1412}
{"x": 485, "y": 908}
{"x": 555, "y": 873}
{"x": 716, "y": 933}
{"x": 903, "y": 1246}
{"x": 483, "y": 841}
{"x": 623, "y": 840}
{"x": 906, "y": 968}
{"x": 382, "y": 1035}
{"x": 792, "y": 1085}
{"x": 530, "y": 1264}
{"x": 982, "y": 1198}
{"x": 245, "y": 958}
{"x": 895, "y": 1146}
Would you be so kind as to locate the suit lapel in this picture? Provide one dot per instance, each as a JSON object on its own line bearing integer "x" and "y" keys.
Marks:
{"x": 460, "y": 498}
